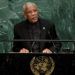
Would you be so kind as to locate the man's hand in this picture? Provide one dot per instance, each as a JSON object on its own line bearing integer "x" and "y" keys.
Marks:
{"x": 47, "y": 51}
{"x": 23, "y": 50}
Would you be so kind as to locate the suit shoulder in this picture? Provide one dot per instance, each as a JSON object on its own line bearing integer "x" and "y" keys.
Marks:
{"x": 20, "y": 25}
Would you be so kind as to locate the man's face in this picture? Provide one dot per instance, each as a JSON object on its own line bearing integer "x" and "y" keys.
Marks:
{"x": 31, "y": 13}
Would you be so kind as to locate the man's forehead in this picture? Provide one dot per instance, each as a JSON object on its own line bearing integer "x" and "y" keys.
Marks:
{"x": 29, "y": 6}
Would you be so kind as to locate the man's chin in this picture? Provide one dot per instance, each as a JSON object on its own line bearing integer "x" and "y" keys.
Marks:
{"x": 34, "y": 21}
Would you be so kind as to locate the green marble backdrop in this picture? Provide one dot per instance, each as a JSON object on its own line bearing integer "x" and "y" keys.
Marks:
{"x": 61, "y": 12}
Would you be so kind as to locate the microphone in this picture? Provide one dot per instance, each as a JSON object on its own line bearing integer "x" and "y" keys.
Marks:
{"x": 32, "y": 46}
{"x": 52, "y": 42}
{"x": 51, "y": 39}
{"x": 35, "y": 46}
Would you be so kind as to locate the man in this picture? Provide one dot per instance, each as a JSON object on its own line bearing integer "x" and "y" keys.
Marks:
{"x": 35, "y": 28}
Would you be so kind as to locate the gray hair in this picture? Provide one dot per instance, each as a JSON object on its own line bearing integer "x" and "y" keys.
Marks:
{"x": 28, "y": 3}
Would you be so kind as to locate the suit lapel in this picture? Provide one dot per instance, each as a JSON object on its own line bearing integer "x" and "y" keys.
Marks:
{"x": 42, "y": 34}
{"x": 43, "y": 31}
{"x": 29, "y": 37}
{"x": 29, "y": 34}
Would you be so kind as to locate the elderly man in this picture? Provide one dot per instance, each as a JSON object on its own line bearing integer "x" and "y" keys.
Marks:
{"x": 35, "y": 28}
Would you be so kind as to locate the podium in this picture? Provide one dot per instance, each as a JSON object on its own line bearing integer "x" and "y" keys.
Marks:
{"x": 20, "y": 64}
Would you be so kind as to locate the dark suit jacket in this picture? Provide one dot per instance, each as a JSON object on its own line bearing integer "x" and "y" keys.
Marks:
{"x": 48, "y": 32}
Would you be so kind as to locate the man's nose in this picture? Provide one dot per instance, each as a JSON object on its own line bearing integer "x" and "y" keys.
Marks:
{"x": 33, "y": 13}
